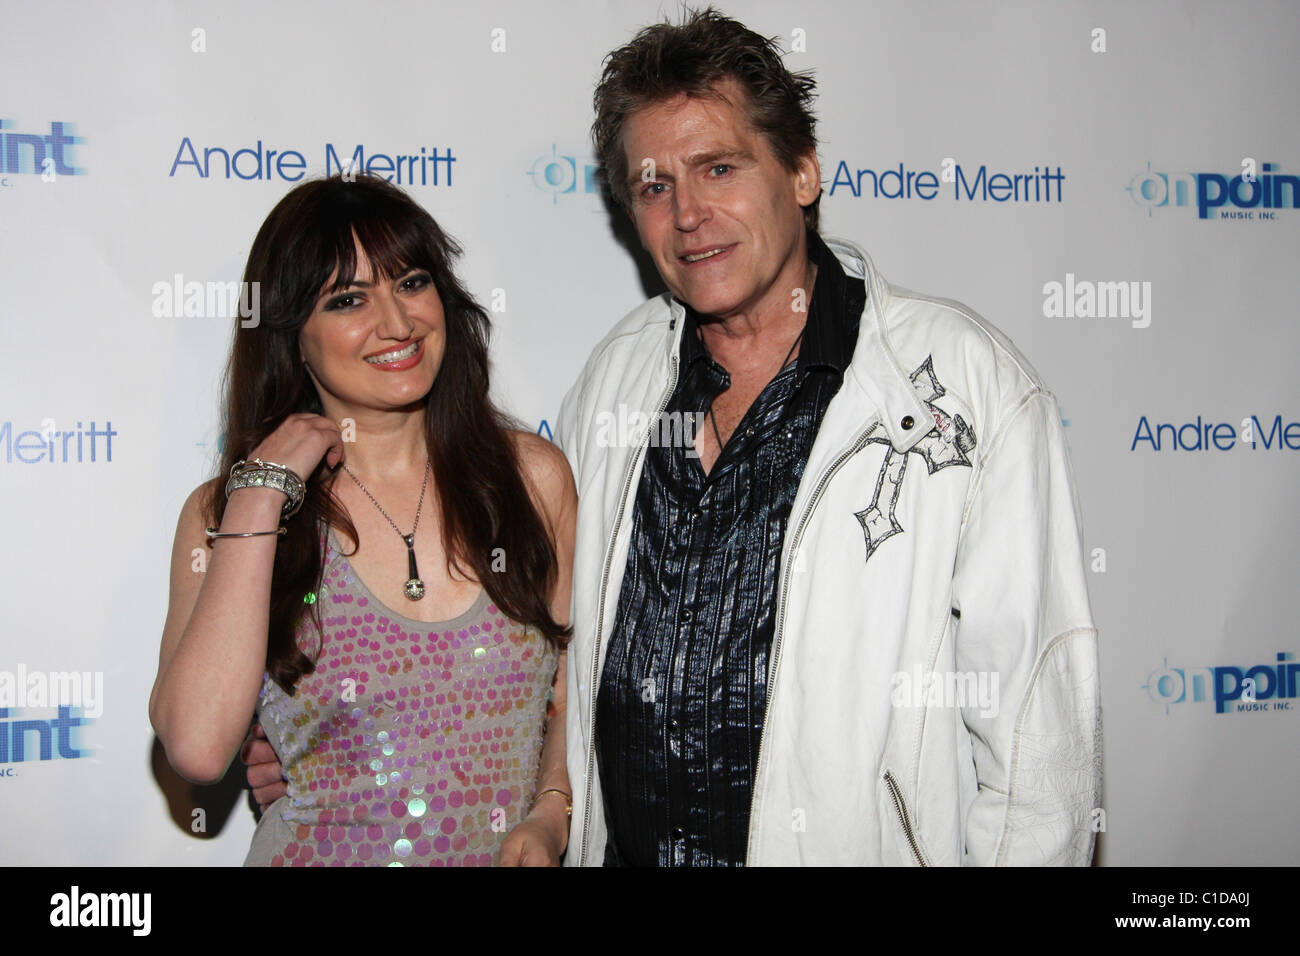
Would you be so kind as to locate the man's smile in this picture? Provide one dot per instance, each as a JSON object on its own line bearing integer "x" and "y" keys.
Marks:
{"x": 704, "y": 254}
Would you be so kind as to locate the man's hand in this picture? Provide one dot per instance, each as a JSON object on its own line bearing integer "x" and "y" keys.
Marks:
{"x": 265, "y": 775}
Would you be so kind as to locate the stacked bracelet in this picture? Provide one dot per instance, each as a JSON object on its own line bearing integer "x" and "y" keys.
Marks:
{"x": 267, "y": 474}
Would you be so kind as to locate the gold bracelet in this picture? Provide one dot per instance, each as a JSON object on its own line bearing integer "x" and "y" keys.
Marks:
{"x": 568, "y": 799}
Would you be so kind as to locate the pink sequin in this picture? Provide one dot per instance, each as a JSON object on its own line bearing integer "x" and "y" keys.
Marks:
{"x": 373, "y": 779}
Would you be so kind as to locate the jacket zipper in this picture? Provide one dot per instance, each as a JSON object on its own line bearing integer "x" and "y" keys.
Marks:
{"x": 901, "y": 808}
{"x": 600, "y": 617}
{"x": 780, "y": 617}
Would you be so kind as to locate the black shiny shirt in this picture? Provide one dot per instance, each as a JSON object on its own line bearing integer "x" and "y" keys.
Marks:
{"x": 679, "y": 710}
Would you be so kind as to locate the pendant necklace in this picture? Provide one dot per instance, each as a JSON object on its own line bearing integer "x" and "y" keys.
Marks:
{"x": 414, "y": 588}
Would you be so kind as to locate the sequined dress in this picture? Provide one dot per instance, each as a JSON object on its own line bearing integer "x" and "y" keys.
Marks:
{"x": 412, "y": 743}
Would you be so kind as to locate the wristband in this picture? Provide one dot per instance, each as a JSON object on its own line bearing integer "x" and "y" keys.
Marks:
{"x": 267, "y": 474}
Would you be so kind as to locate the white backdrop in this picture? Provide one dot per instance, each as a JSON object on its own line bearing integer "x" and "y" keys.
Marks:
{"x": 1193, "y": 550}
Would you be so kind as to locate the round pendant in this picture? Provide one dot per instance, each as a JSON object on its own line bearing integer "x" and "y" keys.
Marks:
{"x": 414, "y": 589}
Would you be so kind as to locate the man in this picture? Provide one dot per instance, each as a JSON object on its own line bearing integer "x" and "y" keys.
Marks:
{"x": 856, "y": 629}
{"x": 849, "y": 624}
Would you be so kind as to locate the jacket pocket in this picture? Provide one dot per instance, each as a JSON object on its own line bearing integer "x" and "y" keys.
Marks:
{"x": 900, "y": 810}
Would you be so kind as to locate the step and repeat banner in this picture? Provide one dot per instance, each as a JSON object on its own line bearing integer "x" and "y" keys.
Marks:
{"x": 1113, "y": 185}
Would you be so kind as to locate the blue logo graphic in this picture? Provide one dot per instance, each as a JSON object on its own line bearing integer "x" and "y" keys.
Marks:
{"x": 1211, "y": 435}
{"x": 54, "y": 445}
{"x": 34, "y": 739}
{"x": 1247, "y": 195}
{"x": 38, "y": 153}
{"x": 431, "y": 166}
{"x": 556, "y": 174}
{"x": 1249, "y": 689}
{"x": 213, "y": 436}
{"x": 545, "y": 428}
{"x": 962, "y": 183}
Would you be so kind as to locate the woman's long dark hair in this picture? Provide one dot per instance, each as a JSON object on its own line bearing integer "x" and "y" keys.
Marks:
{"x": 484, "y": 500}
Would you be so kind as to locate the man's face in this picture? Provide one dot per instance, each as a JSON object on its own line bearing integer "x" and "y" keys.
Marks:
{"x": 720, "y": 215}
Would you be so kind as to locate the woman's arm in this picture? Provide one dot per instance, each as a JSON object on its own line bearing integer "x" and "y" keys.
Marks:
{"x": 542, "y": 836}
{"x": 550, "y": 817}
{"x": 213, "y": 649}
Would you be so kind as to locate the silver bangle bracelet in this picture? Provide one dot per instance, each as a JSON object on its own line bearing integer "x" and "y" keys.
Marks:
{"x": 267, "y": 474}
{"x": 214, "y": 533}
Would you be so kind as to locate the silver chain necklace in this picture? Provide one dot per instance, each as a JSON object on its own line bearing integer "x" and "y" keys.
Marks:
{"x": 414, "y": 588}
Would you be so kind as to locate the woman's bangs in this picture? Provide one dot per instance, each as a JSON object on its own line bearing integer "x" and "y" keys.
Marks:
{"x": 394, "y": 247}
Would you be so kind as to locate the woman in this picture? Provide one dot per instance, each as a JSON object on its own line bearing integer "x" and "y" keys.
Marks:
{"x": 389, "y": 574}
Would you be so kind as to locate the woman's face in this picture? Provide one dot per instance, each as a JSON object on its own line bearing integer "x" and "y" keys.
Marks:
{"x": 376, "y": 344}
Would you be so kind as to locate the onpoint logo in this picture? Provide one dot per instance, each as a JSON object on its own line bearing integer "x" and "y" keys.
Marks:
{"x": 52, "y": 736}
{"x": 213, "y": 436}
{"x": 76, "y": 696}
{"x": 1234, "y": 689}
{"x": 1249, "y": 196}
{"x": 43, "y": 154}
{"x": 556, "y": 174}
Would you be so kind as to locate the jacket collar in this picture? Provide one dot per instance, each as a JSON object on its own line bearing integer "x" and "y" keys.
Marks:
{"x": 875, "y": 369}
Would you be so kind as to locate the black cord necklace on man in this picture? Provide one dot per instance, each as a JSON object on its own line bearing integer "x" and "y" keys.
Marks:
{"x": 713, "y": 419}
{"x": 414, "y": 587}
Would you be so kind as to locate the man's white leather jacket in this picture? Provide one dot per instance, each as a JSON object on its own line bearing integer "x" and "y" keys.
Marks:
{"x": 933, "y": 678}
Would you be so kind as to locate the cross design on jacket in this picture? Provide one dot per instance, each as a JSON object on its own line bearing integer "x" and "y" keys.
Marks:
{"x": 947, "y": 443}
